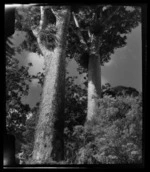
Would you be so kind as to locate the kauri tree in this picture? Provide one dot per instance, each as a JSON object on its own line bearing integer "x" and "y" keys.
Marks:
{"x": 96, "y": 32}
{"x": 46, "y": 27}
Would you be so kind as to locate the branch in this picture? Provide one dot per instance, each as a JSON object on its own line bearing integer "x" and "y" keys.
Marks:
{"x": 42, "y": 21}
{"x": 48, "y": 16}
{"x": 75, "y": 20}
{"x": 79, "y": 31}
{"x": 91, "y": 36}
{"x": 55, "y": 13}
{"x": 35, "y": 32}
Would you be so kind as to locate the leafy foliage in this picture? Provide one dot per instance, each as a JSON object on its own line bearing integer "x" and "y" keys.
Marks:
{"x": 111, "y": 23}
{"x": 47, "y": 37}
{"x": 28, "y": 135}
{"x": 113, "y": 136}
{"x": 17, "y": 86}
{"x": 27, "y": 18}
{"x": 75, "y": 103}
{"x": 17, "y": 80}
{"x": 119, "y": 91}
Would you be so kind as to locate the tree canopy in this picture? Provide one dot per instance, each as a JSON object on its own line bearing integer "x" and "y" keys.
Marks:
{"x": 110, "y": 23}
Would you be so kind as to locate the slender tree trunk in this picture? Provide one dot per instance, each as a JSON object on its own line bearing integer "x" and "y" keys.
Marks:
{"x": 49, "y": 144}
{"x": 94, "y": 80}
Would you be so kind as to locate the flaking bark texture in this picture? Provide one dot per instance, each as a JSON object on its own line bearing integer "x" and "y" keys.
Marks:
{"x": 49, "y": 144}
{"x": 94, "y": 80}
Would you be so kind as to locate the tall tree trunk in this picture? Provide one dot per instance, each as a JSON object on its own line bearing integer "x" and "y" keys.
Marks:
{"x": 94, "y": 79}
{"x": 49, "y": 144}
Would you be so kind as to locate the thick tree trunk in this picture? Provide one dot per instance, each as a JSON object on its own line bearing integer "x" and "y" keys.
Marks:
{"x": 94, "y": 81}
{"x": 48, "y": 145}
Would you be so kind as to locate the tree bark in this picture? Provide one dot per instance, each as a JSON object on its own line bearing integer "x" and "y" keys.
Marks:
{"x": 94, "y": 80}
{"x": 49, "y": 144}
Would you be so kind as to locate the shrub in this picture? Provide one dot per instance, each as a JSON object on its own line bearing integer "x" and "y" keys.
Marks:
{"x": 113, "y": 136}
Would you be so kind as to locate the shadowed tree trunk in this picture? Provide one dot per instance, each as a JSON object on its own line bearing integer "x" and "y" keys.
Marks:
{"x": 94, "y": 79}
{"x": 49, "y": 144}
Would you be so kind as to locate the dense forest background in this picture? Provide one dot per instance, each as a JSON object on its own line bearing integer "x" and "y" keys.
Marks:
{"x": 112, "y": 136}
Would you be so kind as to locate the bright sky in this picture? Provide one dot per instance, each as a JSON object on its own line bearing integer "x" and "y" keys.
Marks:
{"x": 124, "y": 68}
